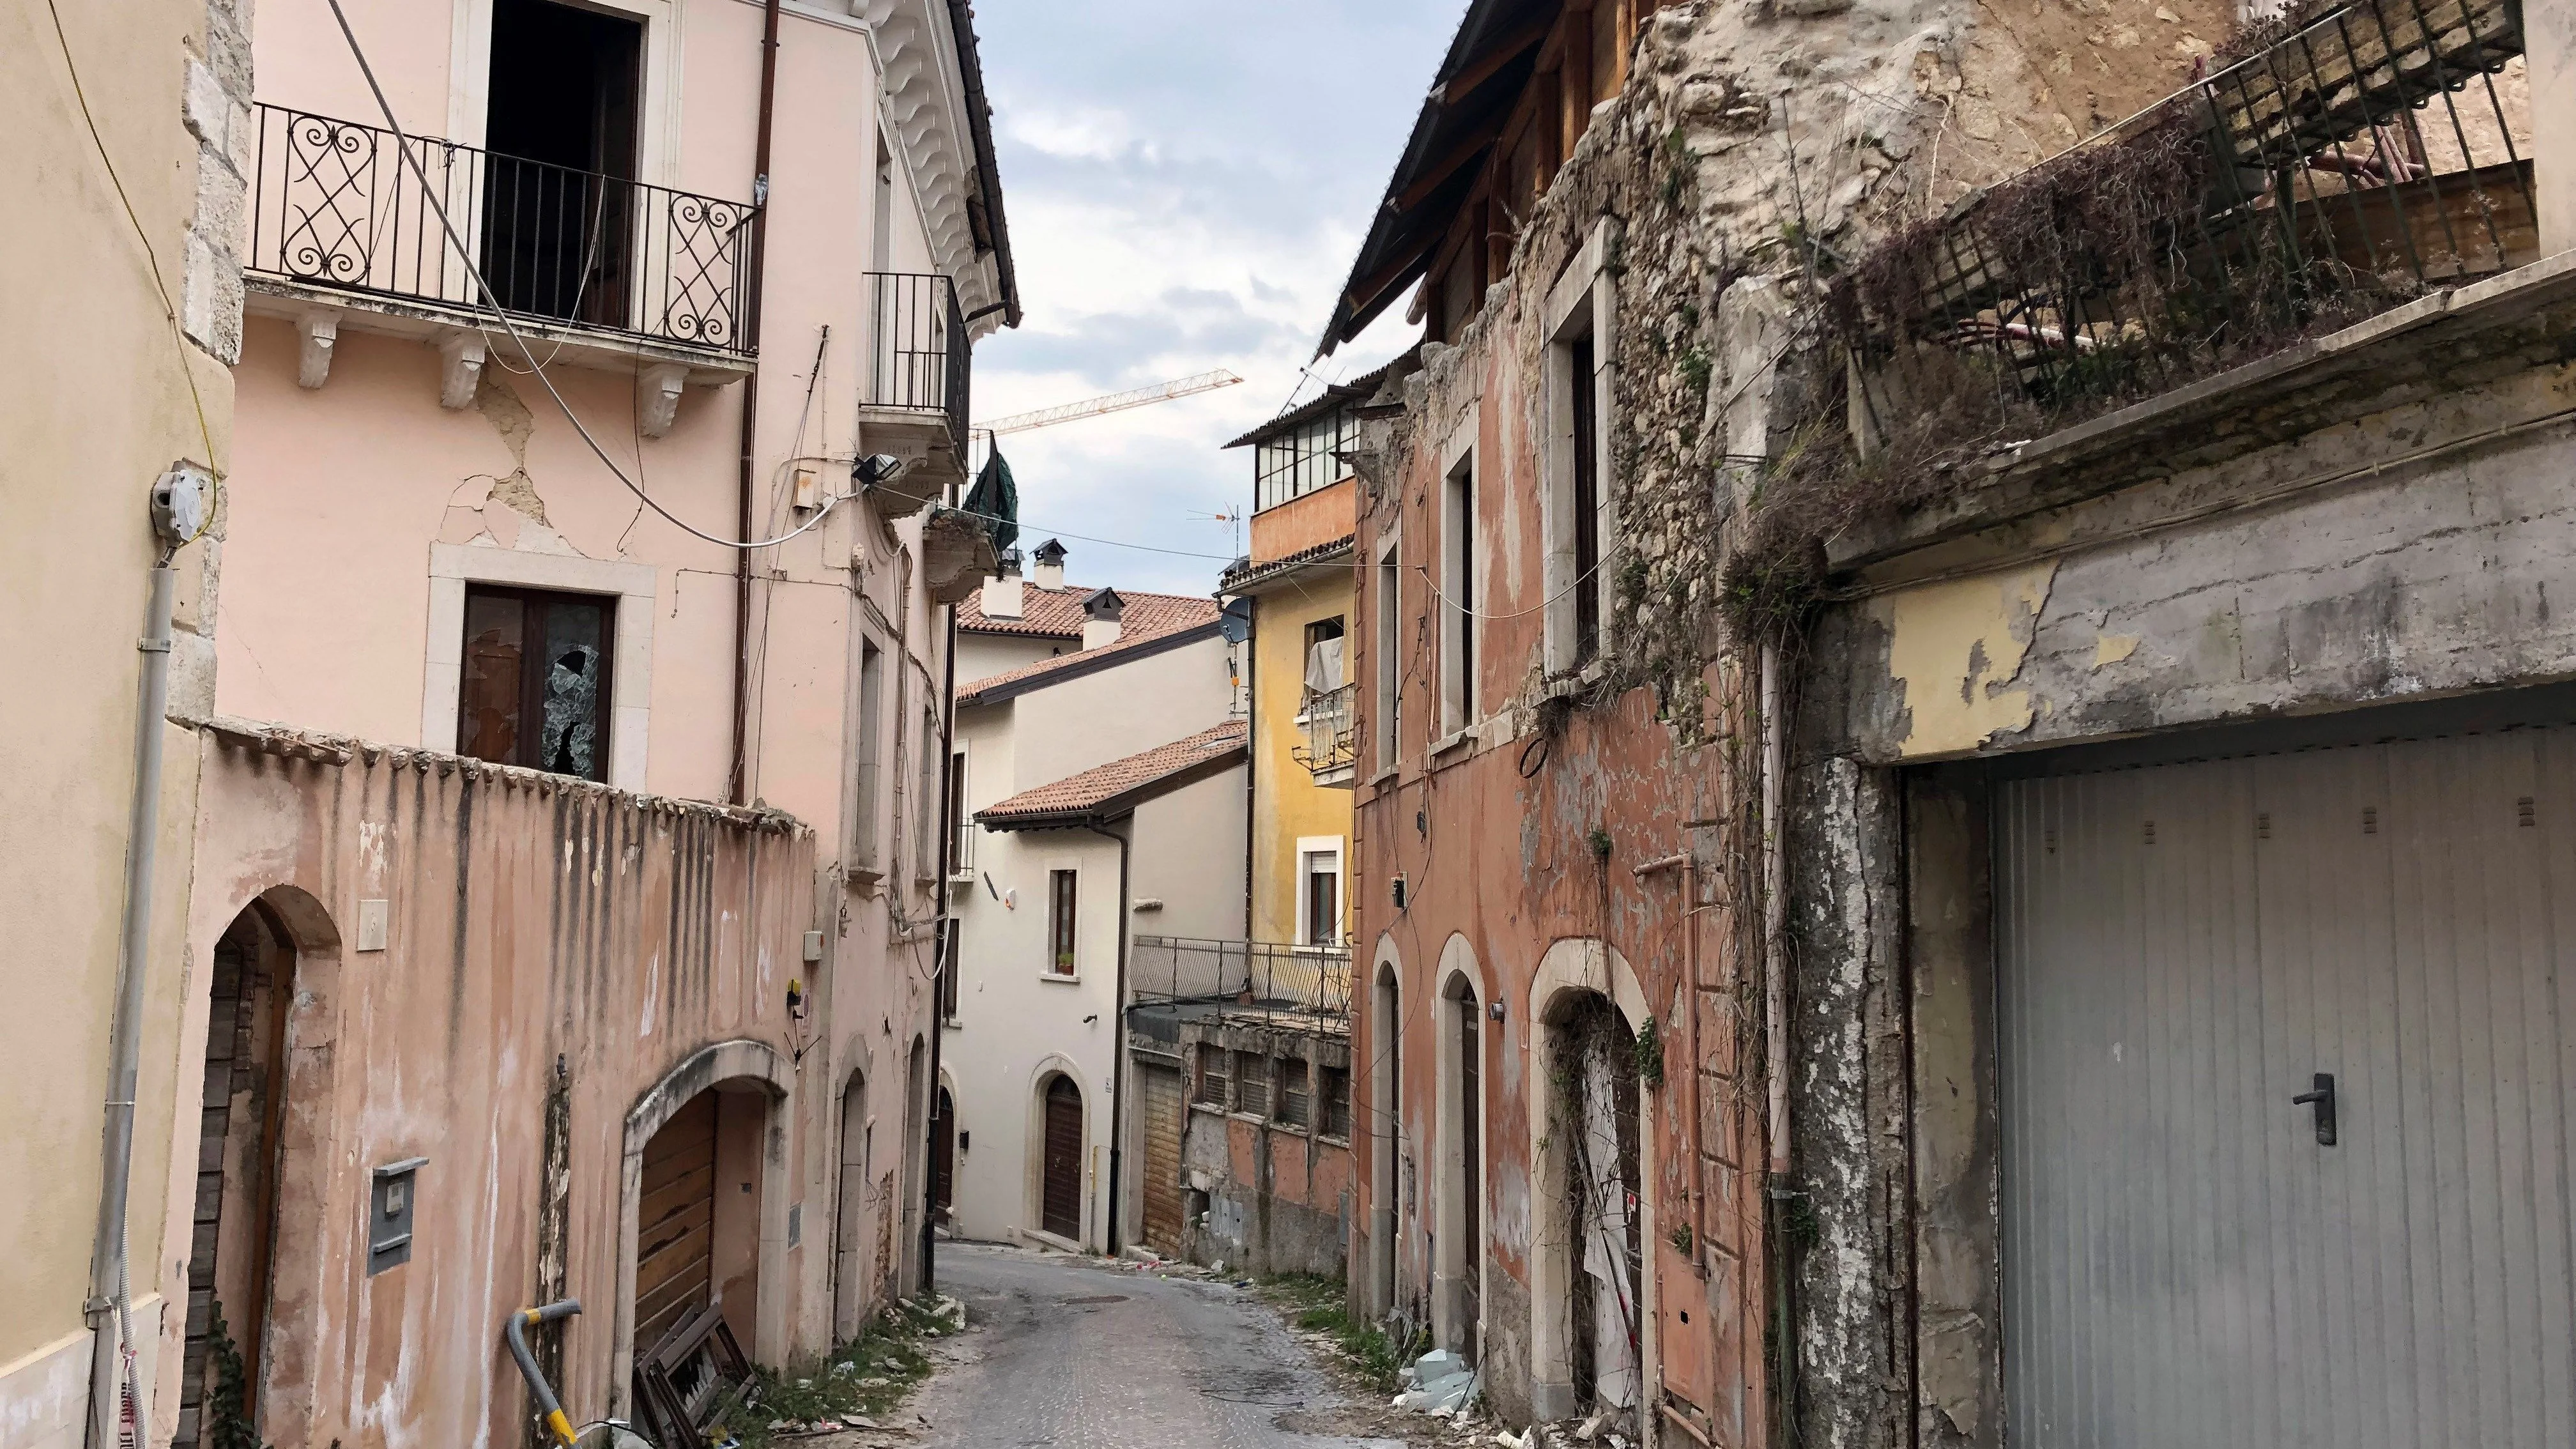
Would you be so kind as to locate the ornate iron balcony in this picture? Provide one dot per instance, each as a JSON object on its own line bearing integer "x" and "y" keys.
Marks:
{"x": 335, "y": 204}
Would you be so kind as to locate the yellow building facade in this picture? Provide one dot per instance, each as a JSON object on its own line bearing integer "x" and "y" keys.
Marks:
{"x": 1297, "y": 584}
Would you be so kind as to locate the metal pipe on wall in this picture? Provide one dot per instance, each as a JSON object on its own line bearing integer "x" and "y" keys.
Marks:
{"x": 1118, "y": 1048}
{"x": 106, "y": 1307}
{"x": 1775, "y": 916}
{"x": 739, "y": 786}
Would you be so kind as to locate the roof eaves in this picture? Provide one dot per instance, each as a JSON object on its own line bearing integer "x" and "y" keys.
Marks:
{"x": 1088, "y": 662}
{"x": 1125, "y": 801}
{"x": 988, "y": 177}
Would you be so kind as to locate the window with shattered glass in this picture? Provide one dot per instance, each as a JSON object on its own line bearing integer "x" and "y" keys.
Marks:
{"x": 534, "y": 690}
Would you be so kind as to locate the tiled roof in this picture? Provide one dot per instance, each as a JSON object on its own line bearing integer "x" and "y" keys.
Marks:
{"x": 1057, "y": 613}
{"x": 1244, "y": 573}
{"x": 1149, "y": 618}
{"x": 1104, "y": 785}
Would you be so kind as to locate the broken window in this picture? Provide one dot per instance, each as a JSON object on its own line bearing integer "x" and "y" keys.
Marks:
{"x": 1252, "y": 1083}
{"x": 559, "y": 185}
{"x": 534, "y": 689}
{"x": 1293, "y": 1107}
{"x": 1060, "y": 904}
{"x": 1212, "y": 1075}
{"x": 1333, "y": 1086}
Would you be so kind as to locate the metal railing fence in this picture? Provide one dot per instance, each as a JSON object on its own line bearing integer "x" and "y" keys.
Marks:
{"x": 2354, "y": 162}
{"x": 919, "y": 358}
{"x": 1265, "y": 977}
{"x": 336, "y": 204}
{"x": 1330, "y": 744}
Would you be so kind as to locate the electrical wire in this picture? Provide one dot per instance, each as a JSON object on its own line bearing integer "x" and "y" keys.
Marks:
{"x": 1579, "y": 581}
{"x": 402, "y": 145}
{"x": 169, "y": 309}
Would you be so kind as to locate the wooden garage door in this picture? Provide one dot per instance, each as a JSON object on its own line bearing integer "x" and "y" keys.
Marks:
{"x": 1162, "y": 1092}
{"x": 1060, "y": 1210}
{"x": 675, "y": 1226}
{"x": 2184, "y": 949}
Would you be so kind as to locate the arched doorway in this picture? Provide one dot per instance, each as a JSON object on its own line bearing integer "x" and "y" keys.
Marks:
{"x": 1594, "y": 1054}
{"x": 851, "y": 1268}
{"x": 1462, "y": 1171}
{"x": 1060, "y": 1178}
{"x": 943, "y": 1155}
{"x": 1386, "y": 1034}
{"x": 230, "y": 1262}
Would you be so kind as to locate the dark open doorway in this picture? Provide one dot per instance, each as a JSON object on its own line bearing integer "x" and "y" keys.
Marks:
{"x": 562, "y": 128}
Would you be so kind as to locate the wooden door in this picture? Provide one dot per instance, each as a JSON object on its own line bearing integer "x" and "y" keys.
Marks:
{"x": 675, "y": 1225}
{"x": 1060, "y": 1205}
{"x": 1162, "y": 1187}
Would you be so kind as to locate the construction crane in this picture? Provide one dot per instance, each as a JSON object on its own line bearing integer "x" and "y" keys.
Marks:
{"x": 1113, "y": 402}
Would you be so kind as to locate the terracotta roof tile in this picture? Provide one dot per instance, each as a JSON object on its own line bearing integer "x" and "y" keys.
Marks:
{"x": 1157, "y": 623}
{"x": 1057, "y": 613}
{"x": 1076, "y": 794}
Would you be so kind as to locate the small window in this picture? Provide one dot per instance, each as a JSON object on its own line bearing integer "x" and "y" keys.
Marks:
{"x": 950, "y": 938}
{"x": 871, "y": 750}
{"x": 1252, "y": 1083}
{"x": 1212, "y": 1076}
{"x": 1458, "y": 601}
{"x": 1333, "y": 1084}
{"x": 1293, "y": 1102}
{"x": 933, "y": 755}
{"x": 961, "y": 824}
{"x": 1390, "y": 672}
{"x": 1326, "y": 669}
{"x": 1586, "y": 479}
{"x": 1060, "y": 904}
{"x": 1320, "y": 922}
{"x": 535, "y": 682}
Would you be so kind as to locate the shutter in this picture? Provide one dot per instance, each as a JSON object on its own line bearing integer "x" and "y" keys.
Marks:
{"x": 675, "y": 1225}
{"x": 1061, "y": 1198}
{"x": 1163, "y": 1117}
{"x": 2182, "y": 949}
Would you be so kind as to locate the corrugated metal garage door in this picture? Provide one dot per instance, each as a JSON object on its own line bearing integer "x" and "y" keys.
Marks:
{"x": 2182, "y": 948}
{"x": 1162, "y": 1091}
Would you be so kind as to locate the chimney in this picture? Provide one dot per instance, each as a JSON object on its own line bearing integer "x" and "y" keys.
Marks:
{"x": 1050, "y": 561}
{"x": 1100, "y": 618}
{"x": 1001, "y": 599}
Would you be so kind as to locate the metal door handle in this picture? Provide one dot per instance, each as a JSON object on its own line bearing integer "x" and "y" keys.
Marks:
{"x": 2323, "y": 1099}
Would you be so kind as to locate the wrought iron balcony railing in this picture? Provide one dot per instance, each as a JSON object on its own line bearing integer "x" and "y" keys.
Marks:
{"x": 1268, "y": 977}
{"x": 919, "y": 359}
{"x": 2344, "y": 164}
{"x": 1330, "y": 750}
{"x": 335, "y": 204}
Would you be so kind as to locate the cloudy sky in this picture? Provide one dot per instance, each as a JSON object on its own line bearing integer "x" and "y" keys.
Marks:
{"x": 1186, "y": 182}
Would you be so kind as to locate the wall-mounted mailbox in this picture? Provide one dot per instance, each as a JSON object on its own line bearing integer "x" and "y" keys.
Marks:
{"x": 389, "y": 1214}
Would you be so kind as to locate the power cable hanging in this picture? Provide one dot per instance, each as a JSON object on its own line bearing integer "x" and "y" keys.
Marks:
{"x": 492, "y": 300}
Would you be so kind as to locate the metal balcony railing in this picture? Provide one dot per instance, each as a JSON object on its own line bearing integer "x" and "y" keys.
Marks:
{"x": 336, "y": 204}
{"x": 1330, "y": 748}
{"x": 2337, "y": 169}
{"x": 919, "y": 359}
{"x": 1283, "y": 982}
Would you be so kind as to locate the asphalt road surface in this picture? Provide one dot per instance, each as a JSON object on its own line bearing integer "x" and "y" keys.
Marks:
{"x": 1063, "y": 1353}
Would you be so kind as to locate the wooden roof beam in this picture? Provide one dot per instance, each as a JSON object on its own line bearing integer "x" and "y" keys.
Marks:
{"x": 1482, "y": 69}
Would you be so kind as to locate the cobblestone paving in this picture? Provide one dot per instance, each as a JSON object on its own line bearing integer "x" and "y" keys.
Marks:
{"x": 1063, "y": 1353}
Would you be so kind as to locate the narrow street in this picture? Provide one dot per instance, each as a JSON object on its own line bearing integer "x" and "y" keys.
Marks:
{"x": 1063, "y": 1353}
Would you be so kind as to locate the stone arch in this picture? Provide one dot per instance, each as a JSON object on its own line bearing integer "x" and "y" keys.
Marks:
{"x": 274, "y": 957}
{"x": 742, "y": 1063}
{"x": 1460, "y": 1151}
{"x": 1048, "y": 1069}
{"x": 1573, "y": 969}
{"x": 1385, "y": 1119}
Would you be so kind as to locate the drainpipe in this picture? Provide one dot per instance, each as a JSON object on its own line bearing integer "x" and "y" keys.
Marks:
{"x": 1118, "y": 1059}
{"x": 1775, "y": 914}
{"x": 1252, "y": 762}
{"x": 740, "y": 785}
{"x": 939, "y": 951}
{"x": 106, "y": 1308}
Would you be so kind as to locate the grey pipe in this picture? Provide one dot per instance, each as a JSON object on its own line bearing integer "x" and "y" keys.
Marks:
{"x": 514, "y": 1332}
{"x": 107, "y": 1290}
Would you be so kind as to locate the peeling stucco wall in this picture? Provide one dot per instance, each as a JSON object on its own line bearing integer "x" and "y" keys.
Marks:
{"x": 1955, "y": 650}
